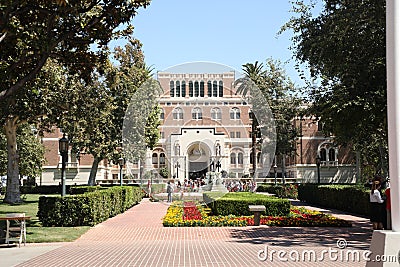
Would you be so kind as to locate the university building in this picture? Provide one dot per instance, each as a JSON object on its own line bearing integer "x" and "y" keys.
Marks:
{"x": 206, "y": 126}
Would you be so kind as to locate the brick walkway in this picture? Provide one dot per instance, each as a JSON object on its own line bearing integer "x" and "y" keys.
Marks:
{"x": 137, "y": 238}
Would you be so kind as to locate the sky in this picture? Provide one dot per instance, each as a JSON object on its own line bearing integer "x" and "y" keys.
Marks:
{"x": 231, "y": 33}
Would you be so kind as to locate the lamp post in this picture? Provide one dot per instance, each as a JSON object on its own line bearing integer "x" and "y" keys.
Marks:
{"x": 121, "y": 162}
{"x": 63, "y": 148}
{"x": 177, "y": 166}
{"x": 275, "y": 174}
{"x": 318, "y": 161}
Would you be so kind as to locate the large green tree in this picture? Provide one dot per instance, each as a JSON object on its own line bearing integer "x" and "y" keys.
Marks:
{"x": 344, "y": 49}
{"x": 35, "y": 30}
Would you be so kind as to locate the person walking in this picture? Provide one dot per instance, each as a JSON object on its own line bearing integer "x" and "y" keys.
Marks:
{"x": 377, "y": 206}
{"x": 170, "y": 189}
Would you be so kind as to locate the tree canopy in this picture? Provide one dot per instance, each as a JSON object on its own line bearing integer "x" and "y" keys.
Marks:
{"x": 35, "y": 30}
{"x": 344, "y": 49}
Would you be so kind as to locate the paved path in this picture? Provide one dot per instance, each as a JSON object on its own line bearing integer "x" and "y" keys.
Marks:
{"x": 137, "y": 238}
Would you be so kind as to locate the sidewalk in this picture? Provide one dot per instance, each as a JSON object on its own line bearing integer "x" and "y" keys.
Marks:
{"x": 137, "y": 238}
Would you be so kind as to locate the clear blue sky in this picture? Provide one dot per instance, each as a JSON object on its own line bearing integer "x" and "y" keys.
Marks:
{"x": 228, "y": 32}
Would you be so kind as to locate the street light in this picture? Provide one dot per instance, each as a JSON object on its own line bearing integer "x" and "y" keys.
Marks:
{"x": 318, "y": 161}
{"x": 275, "y": 167}
{"x": 63, "y": 144}
{"x": 121, "y": 162}
{"x": 177, "y": 166}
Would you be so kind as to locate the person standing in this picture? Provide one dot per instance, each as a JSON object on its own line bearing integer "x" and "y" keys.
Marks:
{"x": 170, "y": 189}
{"x": 377, "y": 206}
{"x": 388, "y": 209}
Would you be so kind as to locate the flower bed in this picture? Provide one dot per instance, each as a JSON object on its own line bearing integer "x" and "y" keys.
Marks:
{"x": 190, "y": 214}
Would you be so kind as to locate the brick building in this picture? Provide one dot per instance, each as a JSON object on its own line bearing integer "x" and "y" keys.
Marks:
{"x": 206, "y": 126}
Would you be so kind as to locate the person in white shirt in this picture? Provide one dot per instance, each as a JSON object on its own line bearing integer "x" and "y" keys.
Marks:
{"x": 377, "y": 206}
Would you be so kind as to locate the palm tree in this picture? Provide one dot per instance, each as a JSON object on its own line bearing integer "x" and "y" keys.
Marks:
{"x": 247, "y": 86}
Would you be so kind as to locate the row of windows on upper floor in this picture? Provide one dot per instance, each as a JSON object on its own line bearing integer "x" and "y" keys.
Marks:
{"x": 197, "y": 114}
{"x": 196, "y": 89}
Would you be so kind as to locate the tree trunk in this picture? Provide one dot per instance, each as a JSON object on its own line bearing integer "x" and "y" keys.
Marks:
{"x": 93, "y": 171}
{"x": 13, "y": 187}
{"x": 254, "y": 149}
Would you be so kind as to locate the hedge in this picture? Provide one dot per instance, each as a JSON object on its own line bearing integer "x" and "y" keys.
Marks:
{"x": 238, "y": 204}
{"x": 351, "y": 198}
{"x": 281, "y": 191}
{"x": 89, "y": 208}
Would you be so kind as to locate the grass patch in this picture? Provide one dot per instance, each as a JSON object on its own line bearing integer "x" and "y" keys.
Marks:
{"x": 35, "y": 232}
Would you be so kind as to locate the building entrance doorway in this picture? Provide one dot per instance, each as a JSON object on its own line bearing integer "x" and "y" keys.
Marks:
{"x": 199, "y": 158}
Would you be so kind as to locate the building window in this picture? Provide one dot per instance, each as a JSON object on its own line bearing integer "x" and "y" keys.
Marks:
{"x": 251, "y": 158}
{"x": 240, "y": 158}
{"x": 215, "y": 89}
{"x": 332, "y": 154}
{"x": 197, "y": 114}
{"x": 190, "y": 88}
{"x": 177, "y": 114}
{"x": 196, "y": 89}
{"x": 162, "y": 135}
{"x": 237, "y": 134}
{"x": 322, "y": 154}
{"x": 258, "y": 157}
{"x": 178, "y": 89}
{"x": 232, "y": 134}
{"x": 162, "y": 114}
{"x": 162, "y": 159}
{"x": 154, "y": 159}
{"x": 201, "y": 89}
{"x": 221, "y": 89}
{"x": 209, "y": 89}
{"x": 233, "y": 158}
{"x": 171, "y": 89}
{"x": 235, "y": 114}
{"x": 216, "y": 113}
{"x": 183, "y": 89}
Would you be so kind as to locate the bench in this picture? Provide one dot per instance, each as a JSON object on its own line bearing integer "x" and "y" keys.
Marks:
{"x": 257, "y": 209}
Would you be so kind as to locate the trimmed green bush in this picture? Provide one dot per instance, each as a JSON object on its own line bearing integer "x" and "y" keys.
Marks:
{"x": 89, "y": 208}
{"x": 238, "y": 204}
{"x": 351, "y": 198}
{"x": 281, "y": 191}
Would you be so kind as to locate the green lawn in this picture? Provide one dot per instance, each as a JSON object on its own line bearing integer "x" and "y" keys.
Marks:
{"x": 35, "y": 233}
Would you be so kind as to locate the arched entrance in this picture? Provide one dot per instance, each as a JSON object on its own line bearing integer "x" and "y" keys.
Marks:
{"x": 199, "y": 160}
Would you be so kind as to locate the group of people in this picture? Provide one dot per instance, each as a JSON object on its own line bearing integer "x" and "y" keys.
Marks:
{"x": 240, "y": 186}
{"x": 379, "y": 199}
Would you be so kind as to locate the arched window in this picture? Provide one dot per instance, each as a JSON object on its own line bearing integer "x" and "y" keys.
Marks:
{"x": 322, "y": 154}
{"x": 196, "y": 89}
{"x": 190, "y": 88}
{"x": 197, "y": 114}
{"x": 332, "y": 154}
{"x": 177, "y": 114}
{"x": 202, "y": 88}
{"x": 162, "y": 159}
{"x": 162, "y": 114}
{"x": 209, "y": 89}
{"x": 183, "y": 89}
{"x": 235, "y": 114}
{"x": 215, "y": 89}
{"x": 233, "y": 158}
{"x": 216, "y": 114}
{"x": 171, "y": 89}
{"x": 221, "y": 89}
{"x": 240, "y": 158}
{"x": 154, "y": 158}
{"x": 178, "y": 89}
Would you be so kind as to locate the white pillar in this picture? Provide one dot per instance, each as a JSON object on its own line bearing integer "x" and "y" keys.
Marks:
{"x": 393, "y": 104}
{"x": 386, "y": 243}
